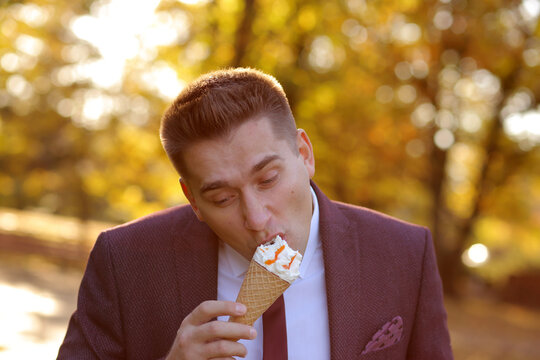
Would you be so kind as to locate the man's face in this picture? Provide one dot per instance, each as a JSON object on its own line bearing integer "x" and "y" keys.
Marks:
{"x": 251, "y": 186}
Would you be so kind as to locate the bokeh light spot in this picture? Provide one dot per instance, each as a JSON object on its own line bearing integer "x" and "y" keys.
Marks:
{"x": 444, "y": 139}
{"x": 476, "y": 255}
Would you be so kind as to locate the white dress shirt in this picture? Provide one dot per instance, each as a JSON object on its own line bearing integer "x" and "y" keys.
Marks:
{"x": 308, "y": 335}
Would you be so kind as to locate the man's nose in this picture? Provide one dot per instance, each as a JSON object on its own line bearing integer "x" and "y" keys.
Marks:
{"x": 256, "y": 214}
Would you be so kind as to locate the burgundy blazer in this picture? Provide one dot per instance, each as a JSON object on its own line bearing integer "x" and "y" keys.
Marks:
{"x": 144, "y": 277}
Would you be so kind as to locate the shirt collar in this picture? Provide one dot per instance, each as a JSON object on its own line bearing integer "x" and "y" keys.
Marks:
{"x": 237, "y": 265}
{"x": 313, "y": 240}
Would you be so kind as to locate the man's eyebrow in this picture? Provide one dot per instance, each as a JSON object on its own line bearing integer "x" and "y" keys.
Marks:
{"x": 265, "y": 161}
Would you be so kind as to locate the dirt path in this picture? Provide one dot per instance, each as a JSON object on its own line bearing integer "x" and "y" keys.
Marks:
{"x": 36, "y": 300}
{"x": 487, "y": 330}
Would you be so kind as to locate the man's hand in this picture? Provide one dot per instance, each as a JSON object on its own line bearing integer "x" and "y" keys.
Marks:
{"x": 200, "y": 337}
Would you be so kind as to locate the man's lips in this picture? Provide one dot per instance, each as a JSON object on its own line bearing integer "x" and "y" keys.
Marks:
{"x": 272, "y": 237}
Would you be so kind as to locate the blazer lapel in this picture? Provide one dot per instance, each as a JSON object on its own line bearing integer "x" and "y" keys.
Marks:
{"x": 196, "y": 250}
{"x": 346, "y": 283}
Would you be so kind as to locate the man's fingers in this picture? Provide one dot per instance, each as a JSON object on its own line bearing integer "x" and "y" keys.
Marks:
{"x": 224, "y": 349}
{"x": 210, "y": 309}
{"x": 201, "y": 336}
{"x": 225, "y": 330}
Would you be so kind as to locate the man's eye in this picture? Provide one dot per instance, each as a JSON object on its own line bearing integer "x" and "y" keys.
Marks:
{"x": 222, "y": 202}
{"x": 269, "y": 180}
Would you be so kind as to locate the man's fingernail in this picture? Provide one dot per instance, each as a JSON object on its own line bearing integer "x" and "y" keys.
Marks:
{"x": 240, "y": 308}
{"x": 252, "y": 333}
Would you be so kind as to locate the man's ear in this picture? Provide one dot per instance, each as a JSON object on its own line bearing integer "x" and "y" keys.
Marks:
{"x": 306, "y": 151}
{"x": 191, "y": 199}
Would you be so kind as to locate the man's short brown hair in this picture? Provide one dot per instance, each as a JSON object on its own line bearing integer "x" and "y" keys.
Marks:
{"x": 220, "y": 101}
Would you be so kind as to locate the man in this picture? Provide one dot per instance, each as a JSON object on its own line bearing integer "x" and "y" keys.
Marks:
{"x": 164, "y": 286}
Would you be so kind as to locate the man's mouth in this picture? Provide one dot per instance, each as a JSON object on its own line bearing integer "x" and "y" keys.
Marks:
{"x": 271, "y": 238}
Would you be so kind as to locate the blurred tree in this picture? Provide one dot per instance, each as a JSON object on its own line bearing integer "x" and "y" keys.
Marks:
{"x": 426, "y": 110}
{"x": 75, "y": 140}
{"x": 437, "y": 79}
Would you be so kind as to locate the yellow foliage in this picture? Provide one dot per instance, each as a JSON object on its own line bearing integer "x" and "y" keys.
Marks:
{"x": 225, "y": 53}
{"x": 132, "y": 195}
{"x": 494, "y": 232}
{"x": 278, "y": 13}
{"x": 307, "y": 18}
{"x": 7, "y": 185}
{"x": 227, "y": 7}
{"x": 33, "y": 183}
{"x": 406, "y": 5}
{"x": 460, "y": 197}
{"x": 359, "y": 142}
{"x": 137, "y": 142}
{"x": 95, "y": 184}
{"x": 51, "y": 180}
{"x": 325, "y": 99}
{"x": 511, "y": 247}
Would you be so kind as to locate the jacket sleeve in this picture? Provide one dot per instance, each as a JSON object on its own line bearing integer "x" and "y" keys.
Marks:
{"x": 95, "y": 330}
{"x": 430, "y": 338}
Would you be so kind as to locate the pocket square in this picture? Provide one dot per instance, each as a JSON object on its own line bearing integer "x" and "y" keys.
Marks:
{"x": 387, "y": 336}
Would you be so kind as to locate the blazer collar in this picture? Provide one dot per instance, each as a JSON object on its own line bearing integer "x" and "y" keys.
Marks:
{"x": 345, "y": 284}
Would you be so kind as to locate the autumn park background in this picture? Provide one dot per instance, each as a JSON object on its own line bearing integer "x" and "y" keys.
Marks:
{"x": 425, "y": 110}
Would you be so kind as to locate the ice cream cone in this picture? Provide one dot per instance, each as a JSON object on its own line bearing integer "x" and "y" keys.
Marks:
{"x": 258, "y": 292}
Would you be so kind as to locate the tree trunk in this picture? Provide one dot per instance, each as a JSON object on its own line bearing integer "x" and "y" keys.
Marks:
{"x": 244, "y": 33}
{"x": 451, "y": 247}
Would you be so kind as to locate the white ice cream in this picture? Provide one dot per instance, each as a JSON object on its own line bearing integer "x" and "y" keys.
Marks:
{"x": 276, "y": 256}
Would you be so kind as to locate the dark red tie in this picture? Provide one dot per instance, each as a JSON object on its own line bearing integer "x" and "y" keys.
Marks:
{"x": 275, "y": 331}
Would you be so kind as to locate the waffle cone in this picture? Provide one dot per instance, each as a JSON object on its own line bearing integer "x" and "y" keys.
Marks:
{"x": 258, "y": 292}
